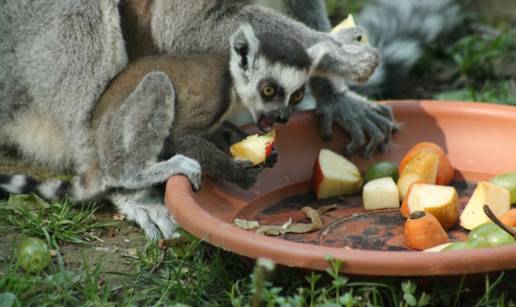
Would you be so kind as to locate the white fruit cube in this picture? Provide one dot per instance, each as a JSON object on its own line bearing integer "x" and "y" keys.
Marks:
{"x": 334, "y": 175}
{"x": 486, "y": 193}
{"x": 380, "y": 193}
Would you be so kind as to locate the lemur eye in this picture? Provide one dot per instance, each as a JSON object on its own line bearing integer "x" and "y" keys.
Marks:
{"x": 268, "y": 90}
{"x": 297, "y": 96}
{"x": 359, "y": 38}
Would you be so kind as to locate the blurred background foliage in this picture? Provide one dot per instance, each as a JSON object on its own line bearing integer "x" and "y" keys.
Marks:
{"x": 477, "y": 62}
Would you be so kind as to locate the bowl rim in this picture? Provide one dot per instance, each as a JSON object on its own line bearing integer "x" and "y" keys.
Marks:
{"x": 180, "y": 201}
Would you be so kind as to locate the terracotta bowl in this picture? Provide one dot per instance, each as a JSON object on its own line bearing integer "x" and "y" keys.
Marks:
{"x": 479, "y": 139}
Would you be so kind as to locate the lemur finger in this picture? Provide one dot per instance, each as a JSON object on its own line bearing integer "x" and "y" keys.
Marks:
{"x": 191, "y": 169}
{"x": 356, "y": 132}
{"x": 376, "y": 137}
{"x": 160, "y": 216}
{"x": 385, "y": 124}
{"x": 387, "y": 114}
{"x": 325, "y": 124}
{"x": 271, "y": 160}
{"x": 142, "y": 218}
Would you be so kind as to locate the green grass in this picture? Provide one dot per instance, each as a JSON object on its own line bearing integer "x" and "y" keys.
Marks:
{"x": 57, "y": 222}
{"x": 192, "y": 273}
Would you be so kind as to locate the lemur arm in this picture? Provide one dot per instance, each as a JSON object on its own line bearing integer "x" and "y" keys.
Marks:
{"x": 370, "y": 125}
{"x": 214, "y": 162}
{"x": 204, "y": 26}
{"x": 310, "y": 12}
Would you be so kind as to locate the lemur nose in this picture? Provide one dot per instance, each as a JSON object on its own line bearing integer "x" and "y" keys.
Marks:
{"x": 282, "y": 118}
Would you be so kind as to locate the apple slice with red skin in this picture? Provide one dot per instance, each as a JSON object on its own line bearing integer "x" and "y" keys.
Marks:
{"x": 334, "y": 175}
{"x": 255, "y": 148}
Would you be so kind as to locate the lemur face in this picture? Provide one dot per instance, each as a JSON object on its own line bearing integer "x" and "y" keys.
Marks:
{"x": 270, "y": 73}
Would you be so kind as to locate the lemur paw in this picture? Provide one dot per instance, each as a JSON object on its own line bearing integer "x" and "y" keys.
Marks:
{"x": 153, "y": 219}
{"x": 248, "y": 174}
{"x": 189, "y": 168}
{"x": 369, "y": 124}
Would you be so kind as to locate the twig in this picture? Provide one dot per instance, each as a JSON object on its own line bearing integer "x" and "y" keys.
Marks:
{"x": 497, "y": 221}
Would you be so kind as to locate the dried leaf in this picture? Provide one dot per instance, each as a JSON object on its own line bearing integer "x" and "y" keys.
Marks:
{"x": 245, "y": 224}
{"x": 285, "y": 226}
{"x": 288, "y": 227}
{"x": 327, "y": 208}
{"x": 119, "y": 216}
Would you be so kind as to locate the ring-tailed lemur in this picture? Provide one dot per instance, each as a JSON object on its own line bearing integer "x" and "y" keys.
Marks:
{"x": 59, "y": 56}
{"x": 160, "y": 106}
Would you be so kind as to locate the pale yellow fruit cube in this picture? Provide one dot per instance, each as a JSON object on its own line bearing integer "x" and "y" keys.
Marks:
{"x": 380, "y": 193}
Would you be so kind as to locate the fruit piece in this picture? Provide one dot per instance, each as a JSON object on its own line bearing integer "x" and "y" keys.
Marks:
{"x": 479, "y": 243}
{"x": 255, "y": 148}
{"x": 422, "y": 230}
{"x": 349, "y": 22}
{"x": 438, "y": 248}
{"x": 334, "y": 175}
{"x": 445, "y": 170}
{"x": 380, "y": 193}
{"x": 508, "y": 181}
{"x": 33, "y": 255}
{"x": 382, "y": 169}
{"x": 441, "y": 201}
{"x": 457, "y": 246}
{"x": 481, "y": 231}
{"x": 500, "y": 237}
{"x": 509, "y": 218}
{"x": 497, "y": 198}
{"x": 422, "y": 168}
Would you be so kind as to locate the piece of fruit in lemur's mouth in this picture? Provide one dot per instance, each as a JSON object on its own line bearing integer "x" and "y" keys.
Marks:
{"x": 255, "y": 148}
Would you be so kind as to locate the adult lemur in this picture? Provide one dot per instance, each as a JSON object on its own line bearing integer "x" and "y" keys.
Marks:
{"x": 162, "y": 105}
{"x": 58, "y": 56}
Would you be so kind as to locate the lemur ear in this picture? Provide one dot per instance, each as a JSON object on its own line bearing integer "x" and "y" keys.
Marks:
{"x": 244, "y": 45}
{"x": 316, "y": 53}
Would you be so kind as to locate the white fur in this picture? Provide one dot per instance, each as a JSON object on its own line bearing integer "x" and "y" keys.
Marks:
{"x": 15, "y": 185}
{"x": 48, "y": 188}
{"x": 40, "y": 139}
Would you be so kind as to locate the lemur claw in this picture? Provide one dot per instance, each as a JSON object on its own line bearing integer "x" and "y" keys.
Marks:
{"x": 370, "y": 125}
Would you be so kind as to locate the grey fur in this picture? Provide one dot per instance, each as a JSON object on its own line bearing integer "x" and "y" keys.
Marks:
{"x": 58, "y": 57}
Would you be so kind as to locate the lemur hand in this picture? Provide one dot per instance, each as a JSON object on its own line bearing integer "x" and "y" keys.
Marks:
{"x": 248, "y": 174}
{"x": 348, "y": 56}
{"x": 369, "y": 124}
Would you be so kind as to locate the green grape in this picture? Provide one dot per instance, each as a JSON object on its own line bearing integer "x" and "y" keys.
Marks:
{"x": 507, "y": 181}
{"x": 482, "y": 231}
{"x": 455, "y": 246}
{"x": 33, "y": 255}
{"x": 479, "y": 243}
{"x": 499, "y": 238}
{"x": 382, "y": 169}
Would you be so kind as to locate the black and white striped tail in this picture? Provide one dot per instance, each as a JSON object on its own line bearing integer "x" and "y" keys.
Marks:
{"x": 51, "y": 189}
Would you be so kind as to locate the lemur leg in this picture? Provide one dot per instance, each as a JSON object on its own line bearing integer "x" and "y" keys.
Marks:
{"x": 214, "y": 161}
{"x": 146, "y": 208}
{"x": 130, "y": 138}
{"x": 369, "y": 124}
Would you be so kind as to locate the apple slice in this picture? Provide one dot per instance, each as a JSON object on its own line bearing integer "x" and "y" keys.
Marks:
{"x": 347, "y": 23}
{"x": 486, "y": 193}
{"x": 380, "y": 193}
{"x": 441, "y": 201}
{"x": 334, "y": 175}
{"x": 422, "y": 168}
{"x": 255, "y": 148}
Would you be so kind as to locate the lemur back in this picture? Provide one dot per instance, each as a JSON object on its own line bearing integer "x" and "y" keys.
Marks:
{"x": 202, "y": 89}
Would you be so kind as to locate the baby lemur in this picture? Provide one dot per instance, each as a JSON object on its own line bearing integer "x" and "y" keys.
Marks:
{"x": 162, "y": 109}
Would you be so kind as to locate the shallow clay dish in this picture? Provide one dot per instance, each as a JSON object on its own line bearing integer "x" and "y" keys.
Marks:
{"x": 479, "y": 139}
